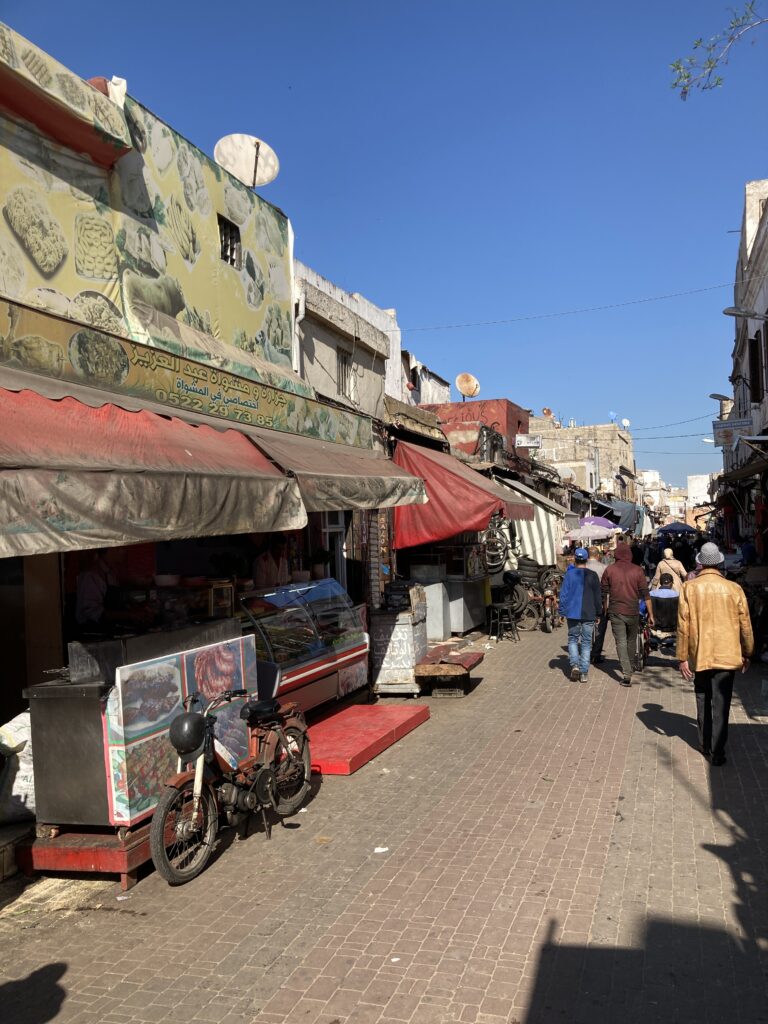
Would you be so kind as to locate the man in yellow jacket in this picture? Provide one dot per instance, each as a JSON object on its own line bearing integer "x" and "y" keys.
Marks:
{"x": 714, "y": 638}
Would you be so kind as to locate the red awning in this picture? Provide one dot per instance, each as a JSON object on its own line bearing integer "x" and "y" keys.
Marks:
{"x": 460, "y": 499}
{"x": 72, "y": 477}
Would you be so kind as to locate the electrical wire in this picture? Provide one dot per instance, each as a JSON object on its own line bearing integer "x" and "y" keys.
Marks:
{"x": 573, "y": 312}
{"x": 677, "y": 423}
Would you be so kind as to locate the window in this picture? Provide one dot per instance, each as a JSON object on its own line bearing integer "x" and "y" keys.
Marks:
{"x": 344, "y": 374}
{"x": 229, "y": 237}
{"x": 755, "y": 368}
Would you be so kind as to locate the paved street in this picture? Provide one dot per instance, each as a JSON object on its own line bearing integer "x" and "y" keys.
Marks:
{"x": 554, "y": 852}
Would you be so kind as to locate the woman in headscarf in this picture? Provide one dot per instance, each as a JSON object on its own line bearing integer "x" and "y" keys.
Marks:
{"x": 675, "y": 568}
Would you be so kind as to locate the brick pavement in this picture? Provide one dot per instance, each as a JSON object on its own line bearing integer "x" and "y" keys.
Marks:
{"x": 556, "y": 852}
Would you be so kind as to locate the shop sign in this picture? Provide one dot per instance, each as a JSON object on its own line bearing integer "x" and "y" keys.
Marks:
{"x": 727, "y": 431}
{"x": 528, "y": 441}
{"x": 38, "y": 342}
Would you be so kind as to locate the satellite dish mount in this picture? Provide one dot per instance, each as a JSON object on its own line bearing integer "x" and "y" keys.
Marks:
{"x": 247, "y": 158}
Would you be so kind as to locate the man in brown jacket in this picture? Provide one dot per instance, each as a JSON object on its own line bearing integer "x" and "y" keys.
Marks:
{"x": 624, "y": 585}
{"x": 714, "y": 638}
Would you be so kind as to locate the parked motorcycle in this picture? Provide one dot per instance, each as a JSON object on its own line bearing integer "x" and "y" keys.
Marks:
{"x": 274, "y": 776}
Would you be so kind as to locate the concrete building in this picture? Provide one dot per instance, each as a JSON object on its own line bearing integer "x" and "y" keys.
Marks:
{"x": 745, "y": 454}
{"x": 342, "y": 343}
{"x": 597, "y": 457}
{"x": 655, "y": 494}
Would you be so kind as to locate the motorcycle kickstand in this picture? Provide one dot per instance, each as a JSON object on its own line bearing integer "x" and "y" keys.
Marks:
{"x": 267, "y": 825}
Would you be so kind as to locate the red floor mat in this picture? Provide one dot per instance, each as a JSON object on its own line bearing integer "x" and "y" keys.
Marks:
{"x": 348, "y": 739}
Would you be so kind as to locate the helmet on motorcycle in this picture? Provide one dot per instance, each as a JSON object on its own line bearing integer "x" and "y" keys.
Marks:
{"x": 187, "y": 732}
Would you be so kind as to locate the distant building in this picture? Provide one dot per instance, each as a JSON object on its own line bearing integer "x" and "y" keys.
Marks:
{"x": 598, "y": 457}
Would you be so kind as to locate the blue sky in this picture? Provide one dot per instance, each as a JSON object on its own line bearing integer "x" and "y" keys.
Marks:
{"x": 473, "y": 161}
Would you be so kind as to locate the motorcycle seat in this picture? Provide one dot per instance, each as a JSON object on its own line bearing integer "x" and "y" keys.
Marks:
{"x": 259, "y": 710}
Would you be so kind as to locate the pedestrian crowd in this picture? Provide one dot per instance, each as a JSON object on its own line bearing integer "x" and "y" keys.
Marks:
{"x": 678, "y": 588}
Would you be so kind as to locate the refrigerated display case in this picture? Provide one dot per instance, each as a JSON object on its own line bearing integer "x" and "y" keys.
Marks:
{"x": 314, "y": 633}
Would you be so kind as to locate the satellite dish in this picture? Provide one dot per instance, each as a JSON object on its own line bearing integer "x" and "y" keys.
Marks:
{"x": 546, "y": 411}
{"x": 612, "y": 416}
{"x": 467, "y": 385}
{"x": 249, "y": 159}
{"x": 625, "y": 423}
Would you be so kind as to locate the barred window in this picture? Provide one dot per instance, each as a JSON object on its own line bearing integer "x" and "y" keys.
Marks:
{"x": 229, "y": 237}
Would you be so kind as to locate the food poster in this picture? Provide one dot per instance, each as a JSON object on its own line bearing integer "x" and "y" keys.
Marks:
{"x": 145, "y": 699}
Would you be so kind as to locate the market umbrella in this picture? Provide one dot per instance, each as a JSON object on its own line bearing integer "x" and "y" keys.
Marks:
{"x": 600, "y": 521}
{"x": 677, "y": 528}
{"x": 588, "y": 533}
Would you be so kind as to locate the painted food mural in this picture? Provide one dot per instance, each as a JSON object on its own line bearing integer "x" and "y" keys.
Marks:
{"x": 147, "y": 696}
{"x": 136, "y": 250}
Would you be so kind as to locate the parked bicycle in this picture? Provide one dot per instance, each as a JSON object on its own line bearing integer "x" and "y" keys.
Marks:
{"x": 274, "y": 776}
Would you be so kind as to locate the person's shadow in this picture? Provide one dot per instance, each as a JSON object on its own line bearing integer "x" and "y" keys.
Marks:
{"x": 669, "y": 723}
{"x": 36, "y": 998}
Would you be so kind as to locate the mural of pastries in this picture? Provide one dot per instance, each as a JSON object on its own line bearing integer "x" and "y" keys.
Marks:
{"x": 238, "y": 204}
{"x": 11, "y": 268}
{"x": 95, "y": 254}
{"x": 72, "y": 91}
{"x": 141, "y": 248}
{"x": 162, "y": 147}
{"x": 7, "y": 49}
{"x": 36, "y": 228}
{"x": 193, "y": 182}
{"x": 49, "y": 298}
{"x": 182, "y": 230}
{"x": 36, "y": 353}
{"x": 106, "y": 113}
{"x": 98, "y": 311}
{"x": 37, "y": 66}
{"x": 98, "y": 358}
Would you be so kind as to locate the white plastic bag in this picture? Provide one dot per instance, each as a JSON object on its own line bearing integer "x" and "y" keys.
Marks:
{"x": 17, "y": 783}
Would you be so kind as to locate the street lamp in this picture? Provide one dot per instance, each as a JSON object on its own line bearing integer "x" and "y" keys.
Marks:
{"x": 745, "y": 314}
{"x": 708, "y": 440}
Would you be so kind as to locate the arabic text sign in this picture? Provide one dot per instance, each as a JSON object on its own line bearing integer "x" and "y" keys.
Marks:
{"x": 727, "y": 431}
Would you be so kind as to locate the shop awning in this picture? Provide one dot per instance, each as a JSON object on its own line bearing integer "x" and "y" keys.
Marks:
{"x": 337, "y": 476}
{"x": 459, "y": 498}
{"x": 535, "y": 496}
{"x": 74, "y": 477}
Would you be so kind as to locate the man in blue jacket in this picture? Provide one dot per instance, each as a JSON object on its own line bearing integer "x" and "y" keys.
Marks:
{"x": 580, "y": 603}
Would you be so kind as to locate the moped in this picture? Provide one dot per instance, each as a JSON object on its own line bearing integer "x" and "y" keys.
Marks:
{"x": 274, "y": 775}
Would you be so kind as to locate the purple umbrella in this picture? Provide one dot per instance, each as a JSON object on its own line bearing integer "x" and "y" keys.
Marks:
{"x": 601, "y": 521}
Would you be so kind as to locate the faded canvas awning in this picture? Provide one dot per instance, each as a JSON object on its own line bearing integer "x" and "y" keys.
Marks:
{"x": 337, "y": 476}
{"x": 72, "y": 477}
{"x": 535, "y": 496}
{"x": 459, "y": 498}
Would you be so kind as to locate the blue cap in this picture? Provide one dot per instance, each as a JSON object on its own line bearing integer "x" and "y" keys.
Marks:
{"x": 581, "y": 555}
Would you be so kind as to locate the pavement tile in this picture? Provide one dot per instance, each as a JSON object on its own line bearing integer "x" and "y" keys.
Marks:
{"x": 578, "y": 862}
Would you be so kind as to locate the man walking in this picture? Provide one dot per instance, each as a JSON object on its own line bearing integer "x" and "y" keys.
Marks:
{"x": 714, "y": 638}
{"x": 580, "y": 605}
{"x": 624, "y": 585}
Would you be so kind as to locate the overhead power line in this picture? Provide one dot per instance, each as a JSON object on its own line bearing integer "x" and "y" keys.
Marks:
{"x": 677, "y": 423}
{"x": 564, "y": 312}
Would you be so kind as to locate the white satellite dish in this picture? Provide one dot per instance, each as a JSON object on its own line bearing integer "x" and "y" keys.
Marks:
{"x": 625, "y": 423}
{"x": 249, "y": 159}
{"x": 467, "y": 385}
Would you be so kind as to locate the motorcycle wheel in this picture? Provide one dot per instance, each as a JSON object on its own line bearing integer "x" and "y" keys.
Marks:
{"x": 530, "y": 618}
{"x": 179, "y": 850}
{"x": 292, "y": 780}
{"x": 547, "y": 623}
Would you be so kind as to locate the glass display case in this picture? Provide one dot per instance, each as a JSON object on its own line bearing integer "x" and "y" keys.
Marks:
{"x": 314, "y": 633}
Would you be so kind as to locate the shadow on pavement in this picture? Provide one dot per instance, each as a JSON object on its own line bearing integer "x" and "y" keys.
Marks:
{"x": 681, "y": 971}
{"x": 34, "y": 999}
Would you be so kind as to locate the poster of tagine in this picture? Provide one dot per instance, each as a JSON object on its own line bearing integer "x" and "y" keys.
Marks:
{"x": 147, "y": 696}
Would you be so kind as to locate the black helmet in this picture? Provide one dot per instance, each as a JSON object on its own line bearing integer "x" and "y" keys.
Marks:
{"x": 187, "y": 733}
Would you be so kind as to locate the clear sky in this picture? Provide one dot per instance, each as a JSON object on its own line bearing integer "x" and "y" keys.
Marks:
{"x": 474, "y": 160}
